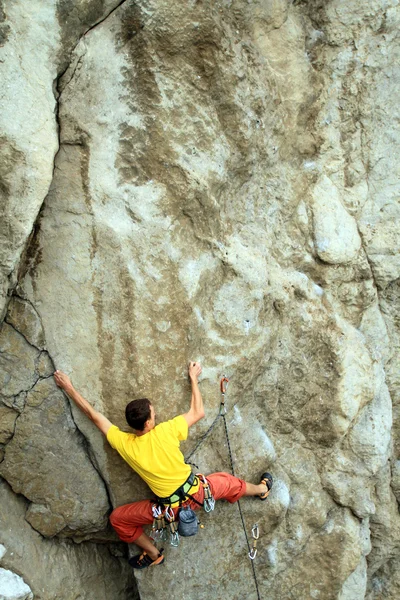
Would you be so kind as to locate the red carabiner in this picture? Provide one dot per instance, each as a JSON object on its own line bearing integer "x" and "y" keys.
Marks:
{"x": 224, "y": 384}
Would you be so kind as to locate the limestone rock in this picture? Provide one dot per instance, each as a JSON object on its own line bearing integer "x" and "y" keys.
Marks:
{"x": 396, "y": 479}
{"x": 225, "y": 189}
{"x": 385, "y": 535}
{"x": 13, "y": 587}
{"x": 17, "y": 363}
{"x": 23, "y": 317}
{"x": 355, "y": 586}
{"x": 273, "y": 12}
{"x": 335, "y": 231}
{"x": 370, "y": 437}
{"x": 44, "y": 365}
{"x": 383, "y": 246}
{"x": 55, "y": 568}
{"x": 46, "y": 461}
{"x": 7, "y": 423}
{"x": 28, "y": 144}
{"x": 339, "y": 534}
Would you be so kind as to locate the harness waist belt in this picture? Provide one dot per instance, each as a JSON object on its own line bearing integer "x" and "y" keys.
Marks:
{"x": 181, "y": 492}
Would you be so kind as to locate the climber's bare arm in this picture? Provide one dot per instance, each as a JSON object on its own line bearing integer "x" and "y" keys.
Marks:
{"x": 196, "y": 411}
{"x": 64, "y": 382}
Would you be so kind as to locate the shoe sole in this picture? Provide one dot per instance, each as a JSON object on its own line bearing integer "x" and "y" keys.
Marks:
{"x": 267, "y": 479}
{"x": 158, "y": 561}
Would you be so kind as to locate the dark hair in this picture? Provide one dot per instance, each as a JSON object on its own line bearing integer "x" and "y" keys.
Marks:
{"x": 137, "y": 412}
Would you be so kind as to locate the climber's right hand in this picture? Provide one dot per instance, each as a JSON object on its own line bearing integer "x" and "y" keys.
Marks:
{"x": 194, "y": 370}
{"x": 63, "y": 381}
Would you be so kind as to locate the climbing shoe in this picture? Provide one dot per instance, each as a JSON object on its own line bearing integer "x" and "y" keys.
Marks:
{"x": 142, "y": 561}
{"x": 267, "y": 479}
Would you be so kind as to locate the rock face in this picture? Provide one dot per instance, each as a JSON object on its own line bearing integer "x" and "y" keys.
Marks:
{"x": 13, "y": 587}
{"x": 215, "y": 181}
{"x": 58, "y": 568}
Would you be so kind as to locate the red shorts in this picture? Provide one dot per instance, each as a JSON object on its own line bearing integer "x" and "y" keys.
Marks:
{"x": 128, "y": 520}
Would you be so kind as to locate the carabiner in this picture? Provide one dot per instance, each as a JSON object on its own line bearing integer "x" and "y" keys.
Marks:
{"x": 174, "y": 539}
{"x": 224, "y": 384}
{"x": 209, "y": 504}
{"x": 157, "y": 535}
{"x": 169, "y": 514}
{"x": 255, "y": 532}
{"x": 202, "y": 479}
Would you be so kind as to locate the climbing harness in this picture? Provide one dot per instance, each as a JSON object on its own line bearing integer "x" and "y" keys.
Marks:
{"x": 252, "y": 551}
{"x": 181, "y": 494}
{"x": 186, "y": 522}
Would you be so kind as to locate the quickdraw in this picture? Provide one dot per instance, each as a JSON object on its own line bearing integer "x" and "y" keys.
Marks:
{"x": 209, "y": 501}
{"x": 173, "y": 526}
{"x": 255, "y": 533}
{"x": 159, "y": 527}
{"x": 223, "y": 387}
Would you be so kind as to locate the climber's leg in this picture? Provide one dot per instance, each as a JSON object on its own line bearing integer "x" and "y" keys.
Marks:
{"x": 227, "y": 487}
{"x": 128, "y": 521}
{"x": 146, "y": 543}
{"x": 256, "y": 490}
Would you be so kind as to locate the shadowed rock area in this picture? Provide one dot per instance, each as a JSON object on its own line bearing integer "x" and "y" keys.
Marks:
{"x": 216, "y": 181}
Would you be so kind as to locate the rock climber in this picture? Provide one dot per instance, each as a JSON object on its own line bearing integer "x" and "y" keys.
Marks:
{"x": 153, "y": 452}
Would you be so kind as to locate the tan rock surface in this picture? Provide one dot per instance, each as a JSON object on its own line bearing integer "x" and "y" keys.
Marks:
{"x": 7, "y": 423}
{"x": 46, "y": 461}
{"x": 24, "y": 318}
{"x": 56, "y": 569}
{"x": 225, "y": 189}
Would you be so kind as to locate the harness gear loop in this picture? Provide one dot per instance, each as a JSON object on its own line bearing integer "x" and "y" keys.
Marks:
{"x": 163, "y": 513}
{"x": 181, "y": 494}
{"x": 255, "y": 532}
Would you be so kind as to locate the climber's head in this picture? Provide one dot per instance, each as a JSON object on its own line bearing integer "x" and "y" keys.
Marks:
{"x": 140, "y": 415}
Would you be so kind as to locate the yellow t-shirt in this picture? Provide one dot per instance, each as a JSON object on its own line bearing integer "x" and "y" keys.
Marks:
{"x": 156, "y": 456}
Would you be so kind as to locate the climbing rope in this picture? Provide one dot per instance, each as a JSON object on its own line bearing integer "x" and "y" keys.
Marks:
{"x": 202, "y": 439}
{"x": 255, "y": 531}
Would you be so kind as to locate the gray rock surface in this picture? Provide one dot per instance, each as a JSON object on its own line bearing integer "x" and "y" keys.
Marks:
{"x": 56, "y": 569}
{"x": 46, "y": 461}
{"x": 45, "y": 457}
{"x": 13, "y": 587}
{"x": 225, "y": 189}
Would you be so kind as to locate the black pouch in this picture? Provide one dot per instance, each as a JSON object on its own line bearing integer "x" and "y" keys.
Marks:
{"x": 188, "y": 523}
